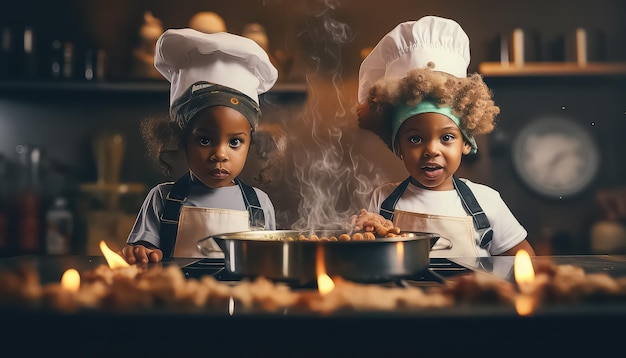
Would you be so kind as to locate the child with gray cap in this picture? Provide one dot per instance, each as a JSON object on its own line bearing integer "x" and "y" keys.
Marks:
{"x": 414, "y": 93}
{"x": 216, "y": 80}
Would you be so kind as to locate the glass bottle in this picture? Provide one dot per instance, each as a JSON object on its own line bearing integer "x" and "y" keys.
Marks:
{"x": 59, "y": 228}
{"x": 28, "y": 209}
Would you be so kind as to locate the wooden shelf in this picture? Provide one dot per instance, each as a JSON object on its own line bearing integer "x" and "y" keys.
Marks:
{"x": 498, "y": 69}
{"x": 121, "y": 86}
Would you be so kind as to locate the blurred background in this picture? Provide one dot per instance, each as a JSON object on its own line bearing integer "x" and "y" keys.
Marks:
{"x": 76, "y": 79}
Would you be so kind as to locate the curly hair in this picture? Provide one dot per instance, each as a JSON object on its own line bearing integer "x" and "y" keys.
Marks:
{"x": 469, "y": 98}
{"x": 164, "y": 138}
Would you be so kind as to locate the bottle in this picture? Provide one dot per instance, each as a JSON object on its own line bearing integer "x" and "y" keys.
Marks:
{"x": 28, "y": 229}
{"x": 4, "y": 208}
{"x": 59, "y": 228}
{"x": 56, "y": 59}
{"x": 68, "y": 61}
{"x": 8, "y": 53}
{"x": 29, "y": 53}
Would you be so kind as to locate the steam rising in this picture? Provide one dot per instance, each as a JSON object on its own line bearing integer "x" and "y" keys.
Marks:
{"x": 333, "y": 182}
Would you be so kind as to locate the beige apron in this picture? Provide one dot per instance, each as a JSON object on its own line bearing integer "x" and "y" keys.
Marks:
{"x": 458, "y": 230}
{"x": 197, "y": 223}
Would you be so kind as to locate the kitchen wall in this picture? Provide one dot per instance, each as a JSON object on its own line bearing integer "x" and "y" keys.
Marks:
{"x": 331, "y": 165}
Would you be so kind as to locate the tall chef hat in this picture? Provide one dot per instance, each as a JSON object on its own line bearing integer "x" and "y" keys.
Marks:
{"x": 415, "y": 44}
{"x": 213, "y": 69}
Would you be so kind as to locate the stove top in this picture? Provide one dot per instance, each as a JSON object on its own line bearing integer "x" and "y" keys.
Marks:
{"x": 439, "y": 271}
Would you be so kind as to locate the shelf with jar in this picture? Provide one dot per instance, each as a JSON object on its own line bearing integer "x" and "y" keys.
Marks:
{"x": 49, "y": 66}
{"x": 510, "y": 69}
{"x": 521, "y": 56}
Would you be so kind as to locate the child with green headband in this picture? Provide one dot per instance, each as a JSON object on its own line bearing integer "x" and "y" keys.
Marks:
{"x": 216, "y": 80}
{"x": 414, "y": 93}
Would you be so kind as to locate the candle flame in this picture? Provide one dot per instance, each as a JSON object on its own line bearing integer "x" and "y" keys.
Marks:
{"x": 524, "y": 305}
{"x": 525, "y": 279}
{"x": 113, "y": 259}
{"x": 523, "y": 270}
{"x": 71, "y": 280}
{"x": 325, "y": 284}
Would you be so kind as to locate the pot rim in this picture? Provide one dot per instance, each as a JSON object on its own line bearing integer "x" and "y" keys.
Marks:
{"x": 281, "y": 235}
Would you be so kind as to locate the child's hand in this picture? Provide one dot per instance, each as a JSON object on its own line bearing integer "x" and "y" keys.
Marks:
{"x": 140, "y": 254}
{"x": 366, "y": 221}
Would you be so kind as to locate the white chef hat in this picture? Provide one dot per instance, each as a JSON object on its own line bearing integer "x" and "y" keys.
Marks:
{"x": 414, "y": 44}
{"x": 198, "y": 64}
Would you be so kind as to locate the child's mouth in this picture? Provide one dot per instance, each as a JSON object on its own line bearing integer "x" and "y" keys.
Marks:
{"x": 219, "y": 173}
{"x": 432, "y": 171}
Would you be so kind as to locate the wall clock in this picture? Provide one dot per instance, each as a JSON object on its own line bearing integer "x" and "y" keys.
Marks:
{"x": 556, "y": 157}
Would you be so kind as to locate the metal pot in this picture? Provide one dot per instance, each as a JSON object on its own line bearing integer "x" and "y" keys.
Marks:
{"x": 270, "y": 254}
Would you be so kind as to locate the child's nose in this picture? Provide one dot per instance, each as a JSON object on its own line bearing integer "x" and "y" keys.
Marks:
{"x": 219, "y": 155}
{"x": 432, "y": 148}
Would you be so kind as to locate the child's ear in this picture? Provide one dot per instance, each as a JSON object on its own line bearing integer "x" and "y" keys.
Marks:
{"x": 397, "y": 152}
{"x": 467, "y": 148}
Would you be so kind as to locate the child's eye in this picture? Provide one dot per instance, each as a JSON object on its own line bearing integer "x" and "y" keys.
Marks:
{"x": 236, "y": 142}
{"x": 447, "y": 138}
{"x": 415, "y": 139}
{"x": 204, "y": 141}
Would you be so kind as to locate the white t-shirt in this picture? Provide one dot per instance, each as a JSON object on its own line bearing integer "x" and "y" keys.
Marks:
{"x": 147, "y": 224}
{"x": 507, "y": 231}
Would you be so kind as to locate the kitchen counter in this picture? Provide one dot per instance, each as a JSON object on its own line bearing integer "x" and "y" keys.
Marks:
{"x": 485, "y": 330}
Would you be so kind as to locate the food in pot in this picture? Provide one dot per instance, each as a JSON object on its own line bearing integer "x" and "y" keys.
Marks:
{"x": 380, "y": 230}
{"x": 385, "y": 232}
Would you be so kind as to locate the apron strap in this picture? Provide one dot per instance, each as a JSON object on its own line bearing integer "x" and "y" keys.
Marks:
{"x": 473, "y": 208}
{"x": 388, "y": 206}
{"x": 168, "y": 229}
{"x": 171, "y": 213}
{"x": 256, "y": 217}
{"x": 470, "y": 204}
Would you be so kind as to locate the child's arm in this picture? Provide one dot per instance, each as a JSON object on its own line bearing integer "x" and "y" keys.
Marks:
{"x": 523, "y": 245}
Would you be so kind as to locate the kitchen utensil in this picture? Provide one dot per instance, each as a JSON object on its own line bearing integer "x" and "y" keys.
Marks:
{"x": 270, "y": 254}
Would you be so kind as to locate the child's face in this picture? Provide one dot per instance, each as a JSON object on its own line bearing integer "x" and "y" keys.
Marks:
{"x": 217, "y": 145}
{"x": 431, "y": 147}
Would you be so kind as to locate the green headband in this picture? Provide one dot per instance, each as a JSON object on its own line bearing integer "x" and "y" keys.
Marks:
{"x": 404, "y": 112}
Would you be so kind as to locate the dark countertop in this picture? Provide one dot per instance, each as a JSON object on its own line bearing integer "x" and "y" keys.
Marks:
{"x": 473, "y": 330}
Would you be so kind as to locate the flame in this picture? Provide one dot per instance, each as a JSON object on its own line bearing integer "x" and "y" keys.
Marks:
{"x": 525, "y": 279}
{"x": 71, "y": 280}
{"x": 524, "y": 305}
{"x": 524, "y": 272}
{"x": 325, "y": 284}
{"x": 113, "y": 259}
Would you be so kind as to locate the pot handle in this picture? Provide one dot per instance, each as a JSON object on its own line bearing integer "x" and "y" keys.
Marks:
{"x": 209, "y": 246}
{"x": 442, "y": 247}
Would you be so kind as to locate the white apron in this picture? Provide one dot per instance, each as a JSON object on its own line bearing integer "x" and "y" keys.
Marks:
{"x": 197, "y": 223}
{"x": 458, "y": 230}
